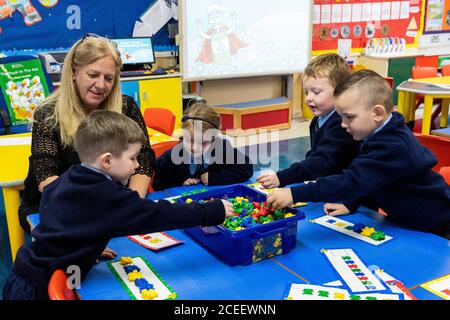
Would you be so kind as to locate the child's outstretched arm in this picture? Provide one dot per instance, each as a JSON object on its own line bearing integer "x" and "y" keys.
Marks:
{"x": 228, "y": 208}
{"x": 280, "y": 198}
{"x": 269, "y": 179}
{"x": 107, "y": 254}
{"x": 191, "y": 181}
{"x": 335, "y": 209}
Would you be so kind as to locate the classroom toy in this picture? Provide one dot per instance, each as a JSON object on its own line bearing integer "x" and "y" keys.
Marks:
{"x": 314, "y": 292}
{"x": 440, "y": 287}
{"x": 244, "y": 238}
{"x": 353, "y": 271}
{"x": 258, "y": 186}
{"x": 140, "y": 280}
{"x": 248, "y": 214}
{"x": 393, "y": 284}
{"x": 357, "y": 230}
{"x": 193, "y": 192}
{"x": 155, "y": 241}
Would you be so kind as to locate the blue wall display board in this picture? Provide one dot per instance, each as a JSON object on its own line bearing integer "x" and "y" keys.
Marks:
{"x": 50, "y": 24}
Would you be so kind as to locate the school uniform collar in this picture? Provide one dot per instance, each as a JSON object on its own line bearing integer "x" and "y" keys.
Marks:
{"x": 107, "y": 176}
{"x": 322, "y": 119}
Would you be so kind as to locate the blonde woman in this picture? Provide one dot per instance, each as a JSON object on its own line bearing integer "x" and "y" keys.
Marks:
{"x": 89, "y": 81}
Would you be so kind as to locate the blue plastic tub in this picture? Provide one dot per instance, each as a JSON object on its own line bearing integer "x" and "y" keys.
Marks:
{"x": 249, "y": 245}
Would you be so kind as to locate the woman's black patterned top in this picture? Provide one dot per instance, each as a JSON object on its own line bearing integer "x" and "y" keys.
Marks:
{"x": 50, "y": 158}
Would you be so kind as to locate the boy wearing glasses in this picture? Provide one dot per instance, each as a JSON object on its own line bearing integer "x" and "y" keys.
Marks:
{"x": 203, "y": 155}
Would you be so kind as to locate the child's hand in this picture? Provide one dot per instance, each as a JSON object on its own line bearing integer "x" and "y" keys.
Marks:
{"x": 280, "y": 198}
{"x": 228, "y": 208}
{"x": 107, "y": 254}
{"x": 204, "y": 178}
{"x": 191, "y": 181}
{"x": 269, "y": 179}
{"x": 335, "y": 209}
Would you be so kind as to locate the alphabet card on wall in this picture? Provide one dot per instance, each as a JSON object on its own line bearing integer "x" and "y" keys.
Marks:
{"x": 155, "y": 241}
{"x": 357, "y": 277}
{"x": 440, "y": 286}
{"x": 358, "y": 230}
{"x": 140, "y": 280}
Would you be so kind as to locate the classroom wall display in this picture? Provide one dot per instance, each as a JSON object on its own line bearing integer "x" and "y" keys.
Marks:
{"x": 54, "y": 24}
{"x": 235, "y": 38}
{"x": 436, "y": 30}
{"x": 437, "y": 16}
{"x": 24, "y": 87}
{"x": 362, "y": 20}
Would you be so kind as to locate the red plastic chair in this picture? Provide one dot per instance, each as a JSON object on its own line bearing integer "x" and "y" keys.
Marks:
{"x": 159, "y": 148}
{"x": 390, "y": 80}
{"x": 445, "y": 70}
{"x": 57, "y": 287}
{"x": 424, "y": 72}
{"x": 445, "y": 172}
{"x": 440, "y": 147}
{"x": 160, "y": 119}
{"x": 427, "y": 61}
{"x": 419, "y": 72}
{"x": 163, "y": 146}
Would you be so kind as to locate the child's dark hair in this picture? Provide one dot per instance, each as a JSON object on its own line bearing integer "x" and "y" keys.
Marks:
{"x": 200, "y": 111}
{"x": 373, "y": 87}
{"x": 106, "y": 131}
{"x": 329, "y": 65}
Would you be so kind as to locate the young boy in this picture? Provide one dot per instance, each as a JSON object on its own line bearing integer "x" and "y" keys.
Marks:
{"x": 203, "y": 156}
{"x": 392, "y": 171}
{"x": 90, "y": 204}
{"x": 332, "y": 149}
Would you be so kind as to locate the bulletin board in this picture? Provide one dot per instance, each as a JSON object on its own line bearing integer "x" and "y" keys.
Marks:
{"x": 437, "y": 16}
{"x": 50, "y": 25}
{"x": 360, "y": 20}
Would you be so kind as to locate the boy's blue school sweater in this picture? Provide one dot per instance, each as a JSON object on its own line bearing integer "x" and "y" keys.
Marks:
{"x": 332, "y": 149}
{"x": 230, "y": 166}
{"x": 82, "y": 210}
{"x": 394, "y": 171}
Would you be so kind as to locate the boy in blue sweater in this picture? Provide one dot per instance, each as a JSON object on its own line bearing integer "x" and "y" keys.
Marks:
{"x": 90, "y": 204}
{"x": 392, "y": 171}
{"x": 332, "y": 148}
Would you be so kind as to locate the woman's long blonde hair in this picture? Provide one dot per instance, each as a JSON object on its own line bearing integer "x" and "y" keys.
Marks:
{"x": 69, "y": 110}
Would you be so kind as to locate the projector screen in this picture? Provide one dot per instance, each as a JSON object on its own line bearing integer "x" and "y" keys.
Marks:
{"x": 239, "y": 38}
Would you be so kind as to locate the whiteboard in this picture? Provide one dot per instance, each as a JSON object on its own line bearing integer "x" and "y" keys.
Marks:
{"x": 239, "y": 38}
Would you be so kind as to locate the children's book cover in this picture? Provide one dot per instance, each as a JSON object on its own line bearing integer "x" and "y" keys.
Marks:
{"x": 24, "y": 87}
